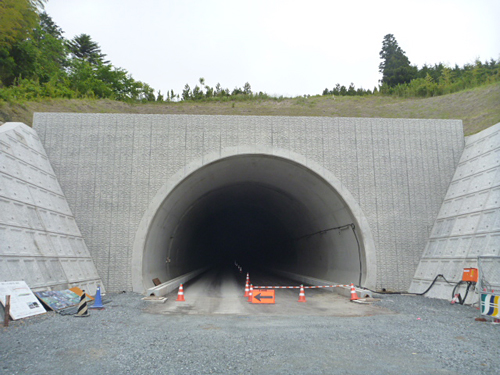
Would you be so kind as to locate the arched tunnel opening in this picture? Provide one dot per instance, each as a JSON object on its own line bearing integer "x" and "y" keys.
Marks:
{"x": 260, "y": 210}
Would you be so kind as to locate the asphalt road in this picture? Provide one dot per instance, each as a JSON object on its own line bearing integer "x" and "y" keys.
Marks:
{"x": 221, "y": 292}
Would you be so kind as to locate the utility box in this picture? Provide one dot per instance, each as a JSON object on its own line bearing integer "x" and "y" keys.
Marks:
{"x": 470, "y": 275}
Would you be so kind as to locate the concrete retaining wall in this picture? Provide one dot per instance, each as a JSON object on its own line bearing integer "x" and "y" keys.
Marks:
{"x": 40, "y": 242}
{"x": 468, "y": 224}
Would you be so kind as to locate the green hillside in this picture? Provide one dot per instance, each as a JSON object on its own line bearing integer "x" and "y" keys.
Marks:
{"x": 478, "y": 108}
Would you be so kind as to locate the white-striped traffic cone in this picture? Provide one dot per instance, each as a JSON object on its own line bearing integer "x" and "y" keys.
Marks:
{"x": 302, "y": 294}
{"x": 354, "y": 295}
{"x": 180, "y": 294}
{"x": 247, "y": 290}
{"x": 250, "y": 293}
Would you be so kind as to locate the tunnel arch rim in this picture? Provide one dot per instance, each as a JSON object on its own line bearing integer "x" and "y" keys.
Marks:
{"x": 369, "y": 276}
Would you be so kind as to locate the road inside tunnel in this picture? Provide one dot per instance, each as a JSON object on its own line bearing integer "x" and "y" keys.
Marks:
{"x": 261, "y": 211}
{"x": 220, "y": 291}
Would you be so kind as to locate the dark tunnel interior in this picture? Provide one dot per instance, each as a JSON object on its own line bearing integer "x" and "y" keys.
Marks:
{"x": 258, "y": 210}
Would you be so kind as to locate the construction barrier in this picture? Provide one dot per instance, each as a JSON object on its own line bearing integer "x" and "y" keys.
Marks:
{"x": 82, "y": 307}
{"x": 298, "y": 287}
{"x": 263, "y": 296}
{"x": 490, "y": 305}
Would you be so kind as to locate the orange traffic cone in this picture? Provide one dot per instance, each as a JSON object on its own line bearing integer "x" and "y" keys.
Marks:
{"x": 302, "y": 294}
{"x": 246, "y": 290}
{"x": 250, "y": 293}
{"x": 354, "y": 295}
{"x": 180, "y": 295}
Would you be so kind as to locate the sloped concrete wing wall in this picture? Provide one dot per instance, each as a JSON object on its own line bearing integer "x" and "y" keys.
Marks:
{"x": 112, "y": 165}
{"x": 468, "y": 224}
{"x": 40, "y": 242}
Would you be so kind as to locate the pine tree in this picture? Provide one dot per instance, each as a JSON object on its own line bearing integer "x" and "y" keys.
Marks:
{"x": 395, "y": 66}
{"x": 83, "y": 47}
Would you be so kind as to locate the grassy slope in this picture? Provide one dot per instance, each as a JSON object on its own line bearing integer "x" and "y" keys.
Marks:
{"x": 478, "y": 108}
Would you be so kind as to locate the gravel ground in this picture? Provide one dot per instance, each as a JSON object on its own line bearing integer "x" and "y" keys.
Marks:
{"x": 423, "y": 336}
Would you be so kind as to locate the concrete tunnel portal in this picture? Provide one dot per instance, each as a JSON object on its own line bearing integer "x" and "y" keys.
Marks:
{"x": 261, "y": 210}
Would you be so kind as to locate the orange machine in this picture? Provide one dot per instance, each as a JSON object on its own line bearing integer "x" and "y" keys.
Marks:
{"x": 470, "y": 275}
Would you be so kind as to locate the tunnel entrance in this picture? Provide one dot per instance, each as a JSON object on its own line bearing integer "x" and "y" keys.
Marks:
{"x": 261, "y": 210}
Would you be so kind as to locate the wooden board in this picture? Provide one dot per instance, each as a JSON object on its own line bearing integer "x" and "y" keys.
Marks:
{"x": 58, "y": 300}
{"x": 23, "y": 303}
{"x": 79, "y": 292}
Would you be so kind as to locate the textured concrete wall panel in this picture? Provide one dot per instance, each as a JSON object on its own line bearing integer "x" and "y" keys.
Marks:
{"x": 111, "y": 166}
{"x": 39, "y": 239}
{"x": 468, "y": 223}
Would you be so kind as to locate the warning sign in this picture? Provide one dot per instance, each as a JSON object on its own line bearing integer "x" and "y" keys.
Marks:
{"x": 23, "y": 301}
{"x": 263, "y": 296}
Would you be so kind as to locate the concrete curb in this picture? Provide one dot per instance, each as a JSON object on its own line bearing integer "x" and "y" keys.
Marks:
{"x": 171, "y": 285}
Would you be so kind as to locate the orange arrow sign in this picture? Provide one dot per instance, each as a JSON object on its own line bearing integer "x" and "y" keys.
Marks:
{"x": 263, "y": 296}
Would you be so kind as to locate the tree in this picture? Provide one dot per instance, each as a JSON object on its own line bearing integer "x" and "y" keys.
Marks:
{"x": 336, "y": 90}
{"x": 17, "y": 19}
{"x": 83, "y": 47}
{"x": 197, "y": 93}
{"x": 247, "y": 89}
{"x": 237, "y": 91}
{"x": 51, "y": 58}
{"x": 186, "y": 93}
{"x": 395, "y": 66}
{"x": 48, "y": 26}
{"x": 351, "y": 91}
{"x": 219, "y": 91}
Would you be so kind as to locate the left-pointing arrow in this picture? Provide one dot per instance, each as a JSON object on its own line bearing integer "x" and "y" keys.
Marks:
{"x": 260, "y": 296}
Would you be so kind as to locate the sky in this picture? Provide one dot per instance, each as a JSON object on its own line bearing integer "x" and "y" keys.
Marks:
{"x": 288, "y": 48}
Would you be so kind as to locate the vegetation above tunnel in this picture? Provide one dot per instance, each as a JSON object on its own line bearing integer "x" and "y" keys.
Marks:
{"x": 40, "y": 70}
